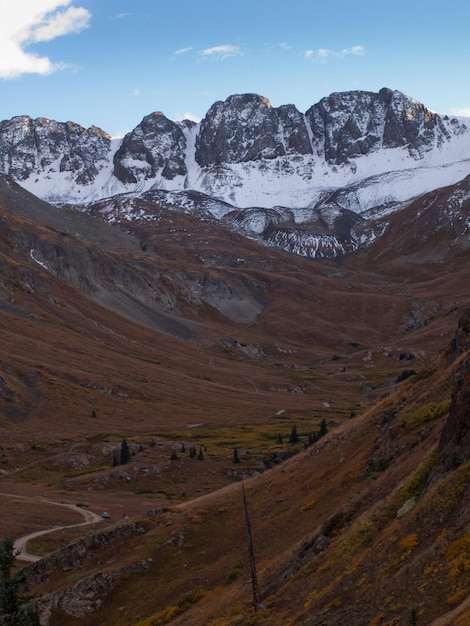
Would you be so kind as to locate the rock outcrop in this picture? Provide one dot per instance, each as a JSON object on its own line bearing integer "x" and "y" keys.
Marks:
{"x": 246, "y": 128}
{"x": 351, "y": 124}
{"x": 29, "y": 147}
{"x": 157, "y": 146}
{"x": 455, "y": 438}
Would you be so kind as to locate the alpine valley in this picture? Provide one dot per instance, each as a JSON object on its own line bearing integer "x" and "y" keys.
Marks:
{"x": 235, "y": 365}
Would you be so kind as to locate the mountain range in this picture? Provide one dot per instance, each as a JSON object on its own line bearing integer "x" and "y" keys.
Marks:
{"x": 311, "y": 183}
{"x": 204, "y": 292}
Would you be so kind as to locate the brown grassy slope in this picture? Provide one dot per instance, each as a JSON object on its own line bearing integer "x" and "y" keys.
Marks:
{"x": 65, "y": 357}
{"x": 327, "y": 342}
{"x": 358, "y": 529}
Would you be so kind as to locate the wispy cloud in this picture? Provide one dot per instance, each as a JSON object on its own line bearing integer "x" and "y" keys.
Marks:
{"x": 25, "y": 22}
{"x": 71, "y": 21}
{"x": 221, "y": 52}
{"x": 183, "y": 50}
{"x": 282, "y": 45}
{"x": 465, "y": 112}
{"x": 322, "y": 54}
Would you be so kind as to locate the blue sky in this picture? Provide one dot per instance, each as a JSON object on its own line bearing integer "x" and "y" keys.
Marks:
{"x": 111, "y": 62}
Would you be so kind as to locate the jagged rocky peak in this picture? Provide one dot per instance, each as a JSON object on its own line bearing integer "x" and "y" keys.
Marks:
{"x": 156, "y": 146}
{"x": 410, "y": 123}
{"x": 30, "y": 146}
{"x": 353, "y": 123}
{"x": 247, "y": 128}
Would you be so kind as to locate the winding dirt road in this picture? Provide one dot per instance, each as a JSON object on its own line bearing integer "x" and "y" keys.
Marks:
{"x": 20, "y": 543}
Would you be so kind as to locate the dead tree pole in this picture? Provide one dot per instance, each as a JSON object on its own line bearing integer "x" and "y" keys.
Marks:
{"x": 254, "y": 578}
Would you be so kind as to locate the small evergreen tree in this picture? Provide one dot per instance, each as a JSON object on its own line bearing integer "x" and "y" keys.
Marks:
{"x": 115, "y": 458}
{"x": 235, "y": 456}
{"x": 174, "y": 456}
{"x": 279, "y": 439}
{"x": 125, "y": 453}
{"x": 13, "y": 609}
{"x": 200, "y": 455}
{"x": 294, "y": 437}
{"x": 183, "y": 448}
{"x": 323, "y": 427}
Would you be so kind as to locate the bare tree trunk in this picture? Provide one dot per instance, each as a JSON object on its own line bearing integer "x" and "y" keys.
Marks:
{"x": 254, "y": 578}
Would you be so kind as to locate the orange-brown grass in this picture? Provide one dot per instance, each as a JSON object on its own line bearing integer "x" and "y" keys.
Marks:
{"x": 23, "y": 515}
{"x": 290, "y": 504}
{"x": 331, "y": 341}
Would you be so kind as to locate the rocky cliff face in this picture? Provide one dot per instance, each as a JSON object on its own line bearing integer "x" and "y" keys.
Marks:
{"x": 274, "y": 168}
{"x": 29, "y": 147}
{"x": 246, "y": 128}
{"x": 86, "y": 596}
{"x": 455, "y": 438}
{"x": 342, "y": 126}
{"x": 351, "y": 124}
{"x": 156, "y": 145}
{"x": 242, "y": 129}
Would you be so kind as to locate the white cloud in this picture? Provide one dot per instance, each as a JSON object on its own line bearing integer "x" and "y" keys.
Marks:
{"x": 25, "y": 22}
{"x": 465, "y": 112}
{"x": 322, "y": 54}
{"x": 74, "y": 20}
{"x": 222, "y": 52}
{"x": 183, "y": 50}
{"x": 283, "y": 45}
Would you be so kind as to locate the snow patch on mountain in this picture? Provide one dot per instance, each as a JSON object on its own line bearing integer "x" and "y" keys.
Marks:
{"x": 288, "y": 179}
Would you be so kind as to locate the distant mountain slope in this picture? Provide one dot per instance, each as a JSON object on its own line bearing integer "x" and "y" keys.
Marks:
{"x": 298, "y": 181}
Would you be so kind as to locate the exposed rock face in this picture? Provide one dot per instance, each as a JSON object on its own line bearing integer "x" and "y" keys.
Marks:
{"x": 350, "y": 124}
{"x": 461, "y": 341}
{"x": 455, "y": 438}
{"x": 85, "y": 597}
{"x": 343, "y": 125}
{"x": 246, "y": 128}
{"x": 28, "y": 146}
{"x": 85, "y": 253}
{"x": 289, "y": 179}
{"x": 156, "y": 145}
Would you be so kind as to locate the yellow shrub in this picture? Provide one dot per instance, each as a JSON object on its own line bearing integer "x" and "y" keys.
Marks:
{"x": 458, "y": 557}
{"x": 425, "y": 414}
{"x": 457, "y": 597}
{"x": 408, "y": 544}
{"x": 308, "y": 506}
